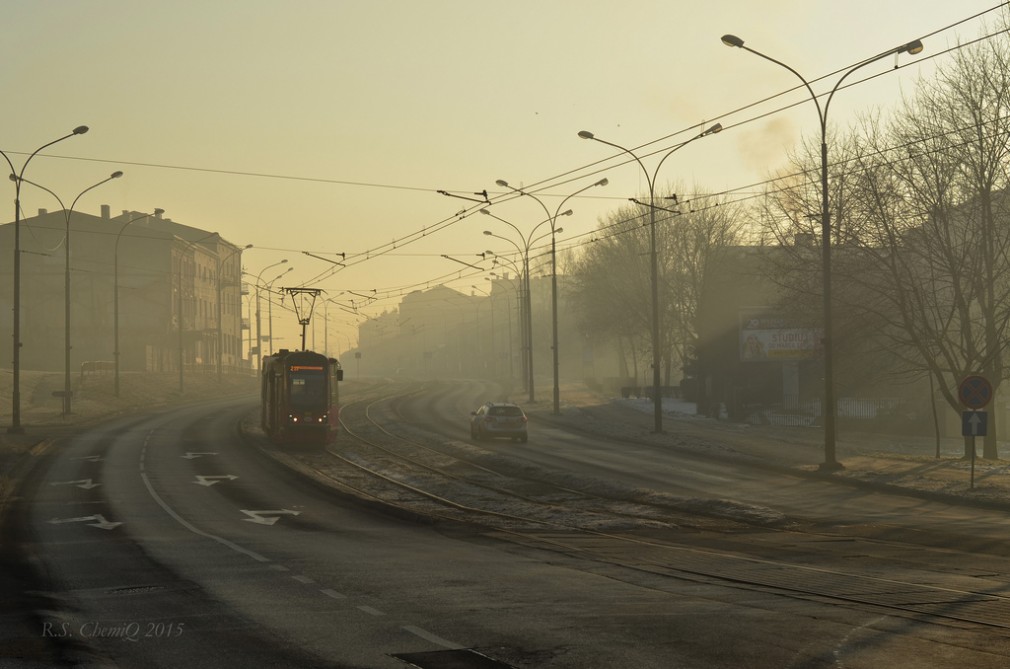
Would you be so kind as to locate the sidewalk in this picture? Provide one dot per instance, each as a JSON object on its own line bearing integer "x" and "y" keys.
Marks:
{"x": 906, "y": 464}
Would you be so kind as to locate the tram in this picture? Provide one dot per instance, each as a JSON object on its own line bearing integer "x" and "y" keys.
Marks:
{"x": 300, "y": 398}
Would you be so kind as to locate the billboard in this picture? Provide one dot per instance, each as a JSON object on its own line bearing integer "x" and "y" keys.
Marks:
{"x": 769, "y": 337}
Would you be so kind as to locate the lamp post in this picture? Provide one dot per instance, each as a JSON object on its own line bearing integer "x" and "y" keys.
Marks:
{"x": 517, "y": 287}
{"x": 494, "y": 352}
{"x": 259, "y": 341}
{"x": 270, "y": 307}
{"x": 554, "y": 274}
{"x": 15, "y": 426}
{"x": 220, "y": 332}
{"x": 115, "y": 300}
{"x": 657, "y": 398}
{"x": 182, "y": 256}
{"x": 67, "y": 213}
{"x": 508, "y": 312}
{"x": 524, "y": 251}
{"x": 830, "y": 462}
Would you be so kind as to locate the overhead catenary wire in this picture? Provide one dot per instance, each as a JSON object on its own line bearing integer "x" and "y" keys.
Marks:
{"x": 551, "y": 182}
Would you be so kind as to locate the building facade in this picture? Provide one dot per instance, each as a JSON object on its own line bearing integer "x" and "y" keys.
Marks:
{"x": 143, "y": 287}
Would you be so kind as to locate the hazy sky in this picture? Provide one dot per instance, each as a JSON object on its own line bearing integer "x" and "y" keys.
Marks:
{"x": 329, "y": 126}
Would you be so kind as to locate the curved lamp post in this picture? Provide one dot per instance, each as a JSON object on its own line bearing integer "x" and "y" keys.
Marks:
{"x": 15, "y": 426}
{"x": 830, "y": 462}
{"x": 259, "y": 339}
{"x": 508, "y": 311}
{"x": 657, "y": 398}
{"x": 220, "y": 332}
{"x": 270, "y": 307}
{"x": 494, "y": 351}
{"x": 524, "y": 252}
{"x": 554, "y": 273}
{"x": 67, "y": 213}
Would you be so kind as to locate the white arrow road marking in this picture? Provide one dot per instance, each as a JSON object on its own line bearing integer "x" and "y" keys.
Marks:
{"x": 211, "y": 480}
{"x": 101, "y": 521}
{"x": 189, "y": 455}
{"x": 258, "y": 516}
{"x": 87, "y": 484}
{"x": 89, "y": 458}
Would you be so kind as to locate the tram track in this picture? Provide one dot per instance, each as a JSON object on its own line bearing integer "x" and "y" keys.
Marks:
{"x": 651, "y": 554}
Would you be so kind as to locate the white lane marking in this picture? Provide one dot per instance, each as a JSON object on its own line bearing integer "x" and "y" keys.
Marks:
{"x": 211, "y": 480}
{"x": 428, "y": 636}
{"x": 190, "y": 456}
{"x": 87, "y": 484}
{"x": 370, "y": 611}
{"x": 267, "y": 517}
{"x": 333, "y": 593}
{"x": 303, "y": 579}
{"x": 182, "y": 521}
{"x": 279, "y": 567}
{"x": 99, "y": 519}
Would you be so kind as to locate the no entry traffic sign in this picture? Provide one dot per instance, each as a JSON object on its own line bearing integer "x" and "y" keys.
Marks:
{"x": 975, "y": 391}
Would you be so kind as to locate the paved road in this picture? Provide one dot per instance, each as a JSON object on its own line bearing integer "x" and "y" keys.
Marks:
{"x": 164, "y": 540}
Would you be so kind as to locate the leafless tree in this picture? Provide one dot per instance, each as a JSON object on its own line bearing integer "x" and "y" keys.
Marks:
{"x": 612, "y": 278}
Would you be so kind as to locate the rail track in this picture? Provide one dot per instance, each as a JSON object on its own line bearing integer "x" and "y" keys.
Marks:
{"x": 654, "y": 544}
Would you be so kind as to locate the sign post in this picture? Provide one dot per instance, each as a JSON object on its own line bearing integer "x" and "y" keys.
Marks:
{"x": 975, "y": 392}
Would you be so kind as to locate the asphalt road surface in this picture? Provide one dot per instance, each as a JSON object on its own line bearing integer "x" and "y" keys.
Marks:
{"x": 170, "y": 540}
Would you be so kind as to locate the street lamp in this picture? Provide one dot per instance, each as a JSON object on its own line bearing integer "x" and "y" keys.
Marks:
{"x": 524, "y": 252}
{"x": 517, "y": 285}
{"x": 554, "y": 274}
{"x": 259, "y": 341}
{"x": 15, "y": 427}
{"x": 67, "y": 213}
{"x": 270, "y": 307}
{"x": 220, "y": 332}
{"x": 508, "y": 312}
{"x": 181, "y": 320}
{"x": 830, "y": 462}
{"x": 657, "y": 398}
{"x": 115, "y": 298}
{"x": 494, "y": 353}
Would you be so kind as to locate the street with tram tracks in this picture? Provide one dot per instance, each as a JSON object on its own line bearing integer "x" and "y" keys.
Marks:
{"x": 407, "y": 542}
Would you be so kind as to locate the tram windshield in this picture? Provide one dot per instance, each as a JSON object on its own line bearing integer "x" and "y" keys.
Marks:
{"x": 307, "y": 388}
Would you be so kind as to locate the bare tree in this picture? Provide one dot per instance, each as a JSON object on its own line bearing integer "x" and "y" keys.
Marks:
{"x": 612, "y": 278}
{"x": 921, "y": 225}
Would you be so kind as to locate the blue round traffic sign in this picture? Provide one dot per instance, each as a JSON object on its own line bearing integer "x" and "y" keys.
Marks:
{"x": 975, "y": 391}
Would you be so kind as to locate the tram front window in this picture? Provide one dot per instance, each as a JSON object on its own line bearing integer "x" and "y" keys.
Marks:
{"x": 308, "y": 389}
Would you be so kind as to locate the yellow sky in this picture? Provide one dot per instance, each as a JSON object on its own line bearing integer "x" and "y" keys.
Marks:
{"x": 351, "y": 115}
